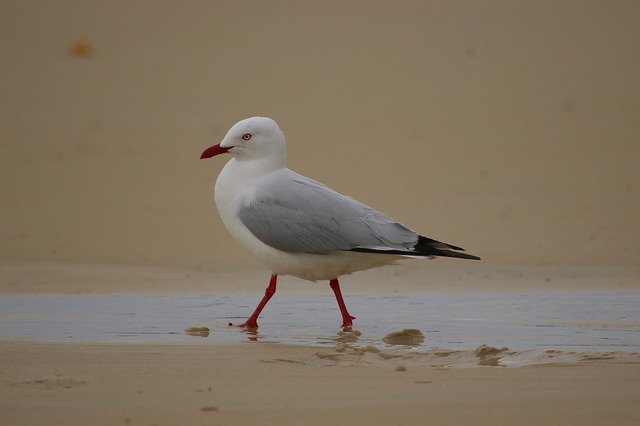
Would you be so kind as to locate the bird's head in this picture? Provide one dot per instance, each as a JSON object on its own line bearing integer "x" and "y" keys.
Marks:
{"x": 251, "y": 138}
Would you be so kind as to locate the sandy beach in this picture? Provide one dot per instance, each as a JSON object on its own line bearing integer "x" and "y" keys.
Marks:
{"x": 160, "y": 379}
{"x": 508, "y": 128}
{"x": 107, "y": 384}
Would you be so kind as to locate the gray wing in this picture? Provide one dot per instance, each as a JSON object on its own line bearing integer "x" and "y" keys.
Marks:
{"x": 296, "y": 214}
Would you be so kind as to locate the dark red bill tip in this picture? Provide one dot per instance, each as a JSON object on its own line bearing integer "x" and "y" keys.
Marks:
{"x": 212, "y": 151}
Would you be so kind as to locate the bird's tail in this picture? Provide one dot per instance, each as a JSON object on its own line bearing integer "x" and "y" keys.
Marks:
{"x": 425, "y": 247}
{"x": 430, "y": 247}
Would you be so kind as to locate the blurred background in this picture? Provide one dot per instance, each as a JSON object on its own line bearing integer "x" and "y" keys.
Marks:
{"x": 511, "y": 128}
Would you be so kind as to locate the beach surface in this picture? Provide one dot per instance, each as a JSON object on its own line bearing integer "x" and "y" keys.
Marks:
{"x": 153, "y": 347}
{"x": 508, "y": 128}
{"x": 107, "y": 384}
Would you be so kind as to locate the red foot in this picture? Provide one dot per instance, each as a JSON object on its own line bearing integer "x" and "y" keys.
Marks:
{"x": 245, "y": 325}
{"x": 252, "y": 323}
{"x": 348, "y": 322}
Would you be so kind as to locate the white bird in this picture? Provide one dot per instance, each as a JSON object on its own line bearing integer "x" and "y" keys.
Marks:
{"x": 297, "y": 226}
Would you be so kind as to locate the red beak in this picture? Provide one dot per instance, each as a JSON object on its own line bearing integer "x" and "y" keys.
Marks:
{"x": 212, "y": 151}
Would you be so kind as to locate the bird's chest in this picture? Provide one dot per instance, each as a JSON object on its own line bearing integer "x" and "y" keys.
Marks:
{"x": 230, "y": 194}
{"x": 233, "y": 189}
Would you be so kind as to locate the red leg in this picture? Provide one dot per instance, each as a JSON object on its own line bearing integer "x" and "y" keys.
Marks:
{"x": 347, "y": 319}
{"x": 252, "y": 322}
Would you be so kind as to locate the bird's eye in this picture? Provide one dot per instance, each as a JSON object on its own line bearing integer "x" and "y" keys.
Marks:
{"x": 246, "y": 136}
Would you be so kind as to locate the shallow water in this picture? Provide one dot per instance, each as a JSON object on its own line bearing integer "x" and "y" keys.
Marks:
{"x": 578, "y": 321}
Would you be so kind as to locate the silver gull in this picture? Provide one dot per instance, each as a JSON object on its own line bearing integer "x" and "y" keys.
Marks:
{"x": 297, "y": 226}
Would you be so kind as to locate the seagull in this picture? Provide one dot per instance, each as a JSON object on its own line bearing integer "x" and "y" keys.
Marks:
{"x": 297, "y": 226}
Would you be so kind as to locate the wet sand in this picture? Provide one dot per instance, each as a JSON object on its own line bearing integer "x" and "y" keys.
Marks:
{"x": 178, "y": 378}
{"x": 520, "y": 308}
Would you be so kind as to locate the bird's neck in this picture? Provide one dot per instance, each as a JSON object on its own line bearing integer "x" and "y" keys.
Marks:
{"x": 241, "y": 173}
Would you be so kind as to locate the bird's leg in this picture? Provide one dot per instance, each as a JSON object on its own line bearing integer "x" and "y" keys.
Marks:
{"x": 347, "y": 319}
{"x": 252, "y": 322}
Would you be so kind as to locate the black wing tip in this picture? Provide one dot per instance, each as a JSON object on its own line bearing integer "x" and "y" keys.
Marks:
{"x": 426, "y": 247}
{"x": 431, "y": 253}
{"x": 430, "y": 247}
{"x": 458, "y": 255}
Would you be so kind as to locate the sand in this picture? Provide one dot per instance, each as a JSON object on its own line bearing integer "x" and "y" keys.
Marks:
{"x": 206, "y": 380}
{"x": 469, "y": 123}
{"x": 106, "y": 384}
{"x": 508, "y": 128}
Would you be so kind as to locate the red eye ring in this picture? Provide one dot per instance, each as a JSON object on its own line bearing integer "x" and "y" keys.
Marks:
{"x": 246, "y": 136}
